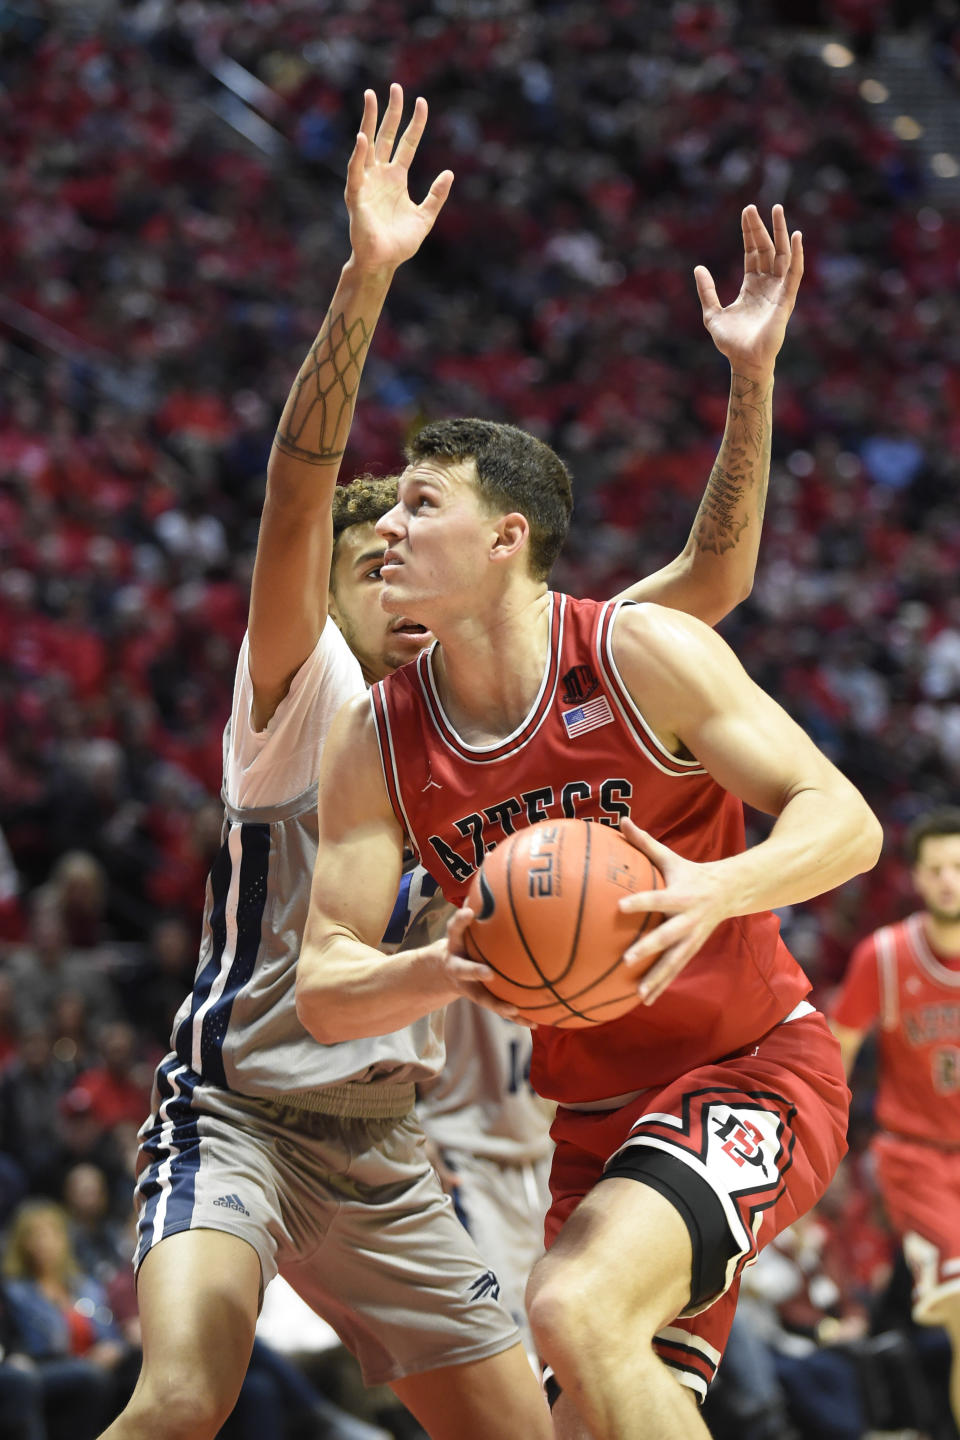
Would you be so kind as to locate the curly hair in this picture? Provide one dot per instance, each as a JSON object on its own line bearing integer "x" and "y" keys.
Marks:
{"x": 362, "y": 502}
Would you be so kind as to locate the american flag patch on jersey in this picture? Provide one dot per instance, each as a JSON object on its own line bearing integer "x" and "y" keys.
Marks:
{"x": 587, "y": 717}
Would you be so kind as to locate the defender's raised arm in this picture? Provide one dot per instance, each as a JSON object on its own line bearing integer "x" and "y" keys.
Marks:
{"x": 715, "y": 569}
{"x": 288, "y": 603}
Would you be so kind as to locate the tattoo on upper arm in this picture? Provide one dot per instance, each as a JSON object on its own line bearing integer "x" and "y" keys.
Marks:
{"x": 316, "y": 420}
{"x": 738, "y": 481}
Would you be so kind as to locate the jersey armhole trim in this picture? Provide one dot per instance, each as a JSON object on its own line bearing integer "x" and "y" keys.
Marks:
{"x": 388, "y": 763}
{"x": 646, "y": 739}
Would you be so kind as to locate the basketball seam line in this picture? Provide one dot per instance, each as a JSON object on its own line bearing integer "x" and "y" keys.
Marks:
{"x": 644, "y": 926}
{"x": 548, "y": 984}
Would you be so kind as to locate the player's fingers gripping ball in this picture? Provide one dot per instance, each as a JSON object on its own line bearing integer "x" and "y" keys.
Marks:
{"x": 547, "y": 921}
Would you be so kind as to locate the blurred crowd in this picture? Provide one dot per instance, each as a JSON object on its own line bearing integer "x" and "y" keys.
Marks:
{"x": 163, "y": 276}
{"x": 945, "y": 26}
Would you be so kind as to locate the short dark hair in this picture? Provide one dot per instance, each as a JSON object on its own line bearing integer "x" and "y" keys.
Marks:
{"x": 363, "y": 502}
{"x": 943, "y": 821}
{"x": 514, "y": 470}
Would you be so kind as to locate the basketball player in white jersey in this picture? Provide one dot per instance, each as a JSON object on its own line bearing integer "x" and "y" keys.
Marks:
{"x": 266, "y": 1152}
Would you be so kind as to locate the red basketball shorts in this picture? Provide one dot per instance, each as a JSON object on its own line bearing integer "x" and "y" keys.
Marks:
{"x": 758, "y": 1134}
{"x": 920, "y": 1185}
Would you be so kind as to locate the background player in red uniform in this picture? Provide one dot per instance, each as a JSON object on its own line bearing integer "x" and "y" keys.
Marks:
{"x": 730, "y": 1120}
{"x": 904, "y": 979}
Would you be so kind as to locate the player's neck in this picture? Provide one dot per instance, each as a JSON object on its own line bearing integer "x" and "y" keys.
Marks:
{"x": 489, "y": 670}
{"x": 943, "y": 935}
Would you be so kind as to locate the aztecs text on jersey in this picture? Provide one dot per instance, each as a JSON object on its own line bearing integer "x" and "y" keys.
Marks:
{"x": 585, "y": 752}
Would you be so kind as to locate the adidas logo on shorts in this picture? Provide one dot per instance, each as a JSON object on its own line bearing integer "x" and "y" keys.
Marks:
{"x": 232, "y": 1202}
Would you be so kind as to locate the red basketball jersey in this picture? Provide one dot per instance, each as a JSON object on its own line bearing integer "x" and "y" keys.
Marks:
{"x": 584, "y": 751}
{"x": 895, "y": 977}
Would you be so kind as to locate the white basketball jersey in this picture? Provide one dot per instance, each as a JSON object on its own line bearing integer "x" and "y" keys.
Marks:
{"x": 482, "y": 1101}
{"x": 238, "y": 1028}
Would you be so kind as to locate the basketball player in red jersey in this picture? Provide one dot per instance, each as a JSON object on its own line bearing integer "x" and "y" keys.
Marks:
{"x": 712, "y": 1117}
{"x": 905, "y": 979}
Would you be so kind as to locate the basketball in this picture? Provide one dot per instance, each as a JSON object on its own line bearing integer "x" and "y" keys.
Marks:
{"x": 546, "y": 921}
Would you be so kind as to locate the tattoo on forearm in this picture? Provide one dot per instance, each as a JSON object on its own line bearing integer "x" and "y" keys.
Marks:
{"x": 719, "y": 525}
{"x": 737, "y": 489}
{"x": 317, "y": 415}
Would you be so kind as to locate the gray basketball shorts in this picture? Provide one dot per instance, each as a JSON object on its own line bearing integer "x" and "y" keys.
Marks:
{"x": 503, "y": 1206}
{"x": 348, "y": 1210}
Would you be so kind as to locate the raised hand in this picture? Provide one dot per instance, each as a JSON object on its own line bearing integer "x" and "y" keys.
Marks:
{"x": 750, "y": 331}
{"x": 386, "y": 227}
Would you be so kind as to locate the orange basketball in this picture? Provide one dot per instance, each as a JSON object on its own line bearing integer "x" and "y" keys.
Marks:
{"x": 546, "y": 920}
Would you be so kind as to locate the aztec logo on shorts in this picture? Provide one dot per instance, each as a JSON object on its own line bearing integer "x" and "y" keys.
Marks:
{"x": 742, "y": 1143}
{"x": 742, "y": 1150}
{"x": 739, "y": 1145}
